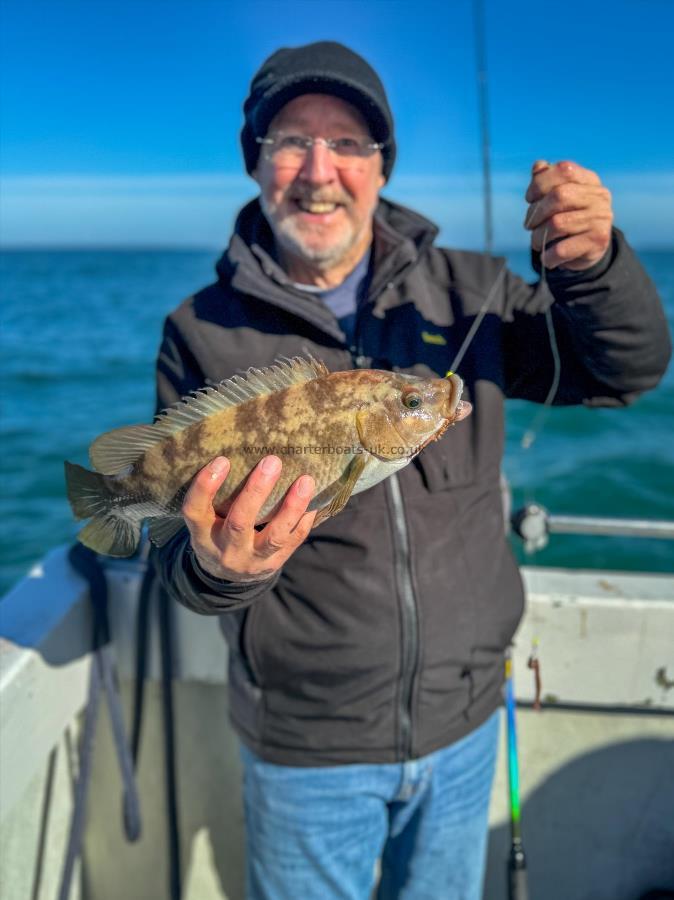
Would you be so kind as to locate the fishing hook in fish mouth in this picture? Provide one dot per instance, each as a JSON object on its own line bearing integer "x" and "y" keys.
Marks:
{"x": 463, "y": 408}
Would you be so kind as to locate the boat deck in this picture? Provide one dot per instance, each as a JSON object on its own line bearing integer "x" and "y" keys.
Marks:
{"x": 595, "y": 763}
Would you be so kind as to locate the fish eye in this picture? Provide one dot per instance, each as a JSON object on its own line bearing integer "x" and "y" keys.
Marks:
{"x": 412, "y": 401}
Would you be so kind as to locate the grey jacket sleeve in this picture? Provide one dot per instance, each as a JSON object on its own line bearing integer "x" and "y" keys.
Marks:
{"x": 185, "y": 581}
{"x": 609, "y": 327}
{"x": 175, "y": 563}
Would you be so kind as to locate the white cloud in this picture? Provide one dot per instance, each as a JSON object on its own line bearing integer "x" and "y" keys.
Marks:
{"x": 198, "y": 209}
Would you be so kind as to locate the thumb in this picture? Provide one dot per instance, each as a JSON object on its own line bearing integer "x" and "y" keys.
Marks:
{"x": 533, "y": 190}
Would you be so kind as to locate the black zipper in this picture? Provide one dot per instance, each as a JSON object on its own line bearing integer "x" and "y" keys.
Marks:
{"x": 409, "y": 637}
{"x": 409, "y": 631}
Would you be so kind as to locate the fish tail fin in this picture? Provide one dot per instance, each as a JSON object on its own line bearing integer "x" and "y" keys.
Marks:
{"x": 87, "y": 491}
{"x": 109, "y": 531}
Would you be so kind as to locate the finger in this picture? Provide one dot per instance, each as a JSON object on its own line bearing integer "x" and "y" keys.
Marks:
{"x": 559, "y": 226}
{"x": 544, "y": 180}
{"x": 277, "y": 549}
{"x": 280, "y": 532}
{"x": 197, "y": 509}
{"x": 244, "y": 511}
{"x": 540, "y": 165}
{"x": 576, "y": 253}
{"x": 567, "y": 198}
{"x": 301, "y": 530}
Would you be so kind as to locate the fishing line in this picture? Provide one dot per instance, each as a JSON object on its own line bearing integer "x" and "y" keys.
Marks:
{"x": 478, "y": 320}
{"x": 531, "y": 433}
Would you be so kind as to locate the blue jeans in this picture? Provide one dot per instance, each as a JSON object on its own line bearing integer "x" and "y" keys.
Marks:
{"x": 318, "y": 833}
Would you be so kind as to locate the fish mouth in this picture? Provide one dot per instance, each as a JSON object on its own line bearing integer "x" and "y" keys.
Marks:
{"x": 458, "y": 409}
{"x": 463, "y": 410}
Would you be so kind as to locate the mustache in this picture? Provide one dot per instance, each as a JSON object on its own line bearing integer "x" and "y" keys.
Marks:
{"x": 311, "y": 195}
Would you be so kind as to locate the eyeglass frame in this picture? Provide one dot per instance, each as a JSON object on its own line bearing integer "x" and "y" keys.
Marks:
{"x": 328, "y": 143}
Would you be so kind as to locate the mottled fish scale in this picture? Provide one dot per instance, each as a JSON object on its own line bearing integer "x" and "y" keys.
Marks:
{"x": 292, "y": 425}
{"x": 271, "y": 423}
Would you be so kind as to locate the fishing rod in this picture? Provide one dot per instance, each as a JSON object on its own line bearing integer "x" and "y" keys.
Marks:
{"x": 481, "y": 61}
{"x": 516, "y": 866}
{"x": 518, "y": 888}
{"x": 481, "y": 72}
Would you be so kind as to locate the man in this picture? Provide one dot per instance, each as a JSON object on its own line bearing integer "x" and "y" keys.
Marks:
{"x": 366, "y": 656}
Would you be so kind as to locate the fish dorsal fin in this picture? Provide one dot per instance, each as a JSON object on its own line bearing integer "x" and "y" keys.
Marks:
{"x": 114, "y": 451}
{"x": 235, "y": 390}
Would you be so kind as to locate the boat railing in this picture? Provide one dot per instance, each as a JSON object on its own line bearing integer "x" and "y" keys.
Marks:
{"x": 534, "y": 525}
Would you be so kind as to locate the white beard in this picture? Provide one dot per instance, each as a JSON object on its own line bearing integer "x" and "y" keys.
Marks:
{"x": 292, "y": 239}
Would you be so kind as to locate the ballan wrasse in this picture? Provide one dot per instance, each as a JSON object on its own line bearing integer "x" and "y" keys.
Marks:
{"x": 349, "y": 430}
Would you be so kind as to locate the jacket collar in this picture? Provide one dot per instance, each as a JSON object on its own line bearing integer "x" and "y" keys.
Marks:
{"x": 401, "y": 236}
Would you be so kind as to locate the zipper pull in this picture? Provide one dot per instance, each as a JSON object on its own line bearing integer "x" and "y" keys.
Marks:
{"x": 357, "y": 358}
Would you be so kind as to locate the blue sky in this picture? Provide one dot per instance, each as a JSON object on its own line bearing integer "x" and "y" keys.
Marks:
{"x": 119, "y": 120}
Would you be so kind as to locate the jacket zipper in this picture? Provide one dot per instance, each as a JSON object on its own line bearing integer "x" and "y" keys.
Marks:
{"x": 410, "y": 620}
{"x": 409, "y": 646}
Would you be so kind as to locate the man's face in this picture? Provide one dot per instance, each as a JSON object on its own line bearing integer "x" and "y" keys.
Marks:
{"x": 320, "y": 211}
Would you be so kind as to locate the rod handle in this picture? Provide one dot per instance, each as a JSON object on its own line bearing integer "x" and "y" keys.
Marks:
{"x": 518, "y": 888}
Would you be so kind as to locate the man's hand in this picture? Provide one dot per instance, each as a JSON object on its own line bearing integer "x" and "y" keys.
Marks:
{"x": 232, "y": 548}
{"x": 572, "y": 208}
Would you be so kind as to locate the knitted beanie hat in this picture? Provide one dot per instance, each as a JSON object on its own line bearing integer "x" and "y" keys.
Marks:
{"x": 325, "y": 67}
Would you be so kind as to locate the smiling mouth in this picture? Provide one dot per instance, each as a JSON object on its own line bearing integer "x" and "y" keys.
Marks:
{"x": 316, "y": 208}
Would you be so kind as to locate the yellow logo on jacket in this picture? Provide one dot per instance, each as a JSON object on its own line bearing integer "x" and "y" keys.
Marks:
{"x": 436, "y": 339}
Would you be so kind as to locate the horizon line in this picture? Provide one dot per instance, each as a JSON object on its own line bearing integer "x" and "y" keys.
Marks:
{"x": 203, "y": 248}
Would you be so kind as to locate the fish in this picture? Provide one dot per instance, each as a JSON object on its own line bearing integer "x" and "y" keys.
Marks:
{"x": 348, "y": 429}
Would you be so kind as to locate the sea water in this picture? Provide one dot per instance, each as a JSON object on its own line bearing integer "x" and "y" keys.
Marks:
{"x": 80, "y": 331}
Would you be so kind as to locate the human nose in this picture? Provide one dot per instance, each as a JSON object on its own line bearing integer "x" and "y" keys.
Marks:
{"x": 318, "y": 166}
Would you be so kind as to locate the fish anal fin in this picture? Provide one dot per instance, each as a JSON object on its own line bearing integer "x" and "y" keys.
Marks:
{"x": 164, "y": 528}
{"x": 111, "y": 534}
{"x": 350, "y": 478}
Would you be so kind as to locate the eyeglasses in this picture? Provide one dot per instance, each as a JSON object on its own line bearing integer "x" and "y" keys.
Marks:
{"x": 285, "y": 149}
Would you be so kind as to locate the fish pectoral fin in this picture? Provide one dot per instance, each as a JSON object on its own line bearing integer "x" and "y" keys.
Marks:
{"x": 164, "y": 528}
{"x": 113, "y": 451}
{"x": 349, "y": 480}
